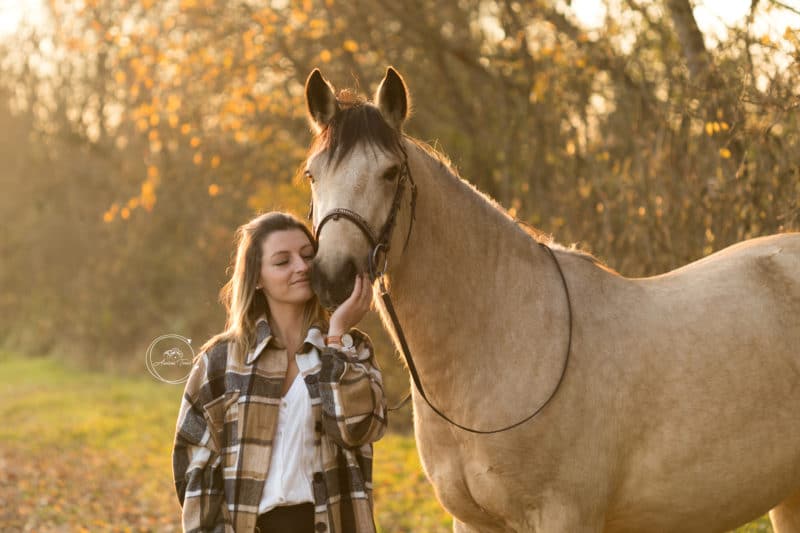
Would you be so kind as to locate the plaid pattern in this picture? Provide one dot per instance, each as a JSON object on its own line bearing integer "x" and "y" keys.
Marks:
{"x": 227, "y": 421}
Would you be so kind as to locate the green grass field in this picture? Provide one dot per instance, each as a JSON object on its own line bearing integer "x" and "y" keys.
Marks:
{"x": 89, "y": 451}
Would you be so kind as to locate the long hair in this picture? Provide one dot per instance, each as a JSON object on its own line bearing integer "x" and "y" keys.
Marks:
{"x": 243, "y": 302}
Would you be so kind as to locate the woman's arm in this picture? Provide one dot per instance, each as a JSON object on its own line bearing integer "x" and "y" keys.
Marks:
{"x": 196, "y": 459}
{"x": 351, "y": 388}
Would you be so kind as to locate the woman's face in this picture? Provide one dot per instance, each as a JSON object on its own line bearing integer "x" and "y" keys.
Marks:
{"x": 286, "y": 267}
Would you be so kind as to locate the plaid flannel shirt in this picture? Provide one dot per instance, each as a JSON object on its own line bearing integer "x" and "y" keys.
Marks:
{"x": 227, "y": 420}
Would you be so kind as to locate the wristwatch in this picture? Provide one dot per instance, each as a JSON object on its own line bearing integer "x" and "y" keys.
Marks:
{"x": 346, "y": 340}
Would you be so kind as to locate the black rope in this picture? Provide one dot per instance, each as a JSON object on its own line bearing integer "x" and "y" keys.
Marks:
{"x": 415, "y": 375}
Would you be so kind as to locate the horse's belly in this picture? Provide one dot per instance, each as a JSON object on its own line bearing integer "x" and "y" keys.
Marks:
{"x": 710, "y": 477}
{"x": 712, "y": 515}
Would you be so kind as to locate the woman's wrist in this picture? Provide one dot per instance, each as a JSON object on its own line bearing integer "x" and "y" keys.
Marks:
{"x": 333, "y": 340}
{"x": 336, "y": 331}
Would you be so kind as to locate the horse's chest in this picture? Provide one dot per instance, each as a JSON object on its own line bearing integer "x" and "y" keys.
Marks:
{"x": 473, "y": 482}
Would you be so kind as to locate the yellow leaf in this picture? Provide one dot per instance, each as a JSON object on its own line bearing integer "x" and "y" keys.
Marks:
{"x": 195, "y": 142}
{"x": 185, "y": 129}
{"x": 213, "y": 189}
{"x": 173, "y": 102}
{"x": 350, "y": 45}
{"x": 325, "y": 56}
{"x": 215, "y": 161}
{"x": 152, "y": 171}
{"x": 724, "y": 153}
{"x": 198, "y": 158}
{"x": 584, "y": 189}
{"x": 120, "y": 77}
{"x": 709, "y": 128}
{"x": 124, "y": 213}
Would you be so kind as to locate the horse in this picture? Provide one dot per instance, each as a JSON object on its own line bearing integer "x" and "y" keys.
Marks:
{"x": 672, "y": 401}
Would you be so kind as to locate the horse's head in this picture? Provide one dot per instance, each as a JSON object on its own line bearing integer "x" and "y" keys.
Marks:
{"x": 355, "y": 164}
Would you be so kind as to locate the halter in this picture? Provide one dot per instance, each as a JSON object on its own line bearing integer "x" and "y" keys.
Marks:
{"x": 378, "y": 241}
{"x": 381, "y": 242}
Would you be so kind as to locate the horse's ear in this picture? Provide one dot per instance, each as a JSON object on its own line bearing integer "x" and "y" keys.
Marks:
{"x": 392, "y": 99}
{"x": 320, "y": 101}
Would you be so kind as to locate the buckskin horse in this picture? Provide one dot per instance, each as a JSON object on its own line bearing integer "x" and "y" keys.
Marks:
{"x": 666, "y": 403}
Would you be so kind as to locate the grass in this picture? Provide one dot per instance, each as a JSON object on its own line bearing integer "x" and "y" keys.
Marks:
{"x": 91, "y": 451}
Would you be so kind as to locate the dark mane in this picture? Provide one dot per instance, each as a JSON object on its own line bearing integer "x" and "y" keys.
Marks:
{"x": 355, "y": 122}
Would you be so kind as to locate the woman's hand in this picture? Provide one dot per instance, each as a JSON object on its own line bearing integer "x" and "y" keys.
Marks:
{"x": 352, "y": 310}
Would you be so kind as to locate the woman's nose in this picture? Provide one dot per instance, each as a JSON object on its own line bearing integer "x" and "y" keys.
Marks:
{"x": 303, "y": 265}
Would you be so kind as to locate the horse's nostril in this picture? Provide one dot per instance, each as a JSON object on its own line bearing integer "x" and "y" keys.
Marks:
{"x": 335, "y": 289}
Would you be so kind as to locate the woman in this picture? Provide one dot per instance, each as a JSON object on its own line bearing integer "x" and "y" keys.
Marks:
{"x": 266, "y": 441}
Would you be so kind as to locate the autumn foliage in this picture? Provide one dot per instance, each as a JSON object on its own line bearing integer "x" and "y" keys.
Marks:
{"x": 138, "y": 134}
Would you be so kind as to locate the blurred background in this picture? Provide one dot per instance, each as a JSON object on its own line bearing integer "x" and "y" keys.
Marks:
{"x": 136, "y": 135}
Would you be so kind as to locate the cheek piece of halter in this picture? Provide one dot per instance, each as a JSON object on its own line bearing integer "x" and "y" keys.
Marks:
{"x": 381, "y": 242}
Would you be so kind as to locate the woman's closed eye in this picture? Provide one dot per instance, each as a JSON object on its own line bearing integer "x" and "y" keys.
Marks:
{"x": 306, "y": 257}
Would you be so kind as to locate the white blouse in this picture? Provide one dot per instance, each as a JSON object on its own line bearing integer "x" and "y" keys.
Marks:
{"x": 291, "y": 465}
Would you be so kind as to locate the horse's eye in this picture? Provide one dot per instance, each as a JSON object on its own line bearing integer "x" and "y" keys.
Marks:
{"x": 309, "y": 176}
{"x": 391, "y": 172}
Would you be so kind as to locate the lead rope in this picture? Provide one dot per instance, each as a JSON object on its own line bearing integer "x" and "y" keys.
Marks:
{"x": 415, "y": 375}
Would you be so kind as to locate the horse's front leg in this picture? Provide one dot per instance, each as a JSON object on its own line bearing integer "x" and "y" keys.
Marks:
{"x": 554, "y": 519}
{"x": 461, "y": 527}
{"x": 560, "y": 517}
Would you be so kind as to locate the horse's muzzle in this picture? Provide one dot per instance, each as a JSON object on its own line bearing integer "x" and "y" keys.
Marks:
{"x": 333, "y": 289}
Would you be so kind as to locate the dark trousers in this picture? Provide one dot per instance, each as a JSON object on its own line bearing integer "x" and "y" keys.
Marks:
{"x": 287, "y": 519}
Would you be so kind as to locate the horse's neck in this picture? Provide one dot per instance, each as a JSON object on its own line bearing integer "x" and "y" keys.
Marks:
{"x": 467, "y": 271}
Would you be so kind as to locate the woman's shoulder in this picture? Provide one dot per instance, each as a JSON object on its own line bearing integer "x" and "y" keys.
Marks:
{"x": 215, "y": 355}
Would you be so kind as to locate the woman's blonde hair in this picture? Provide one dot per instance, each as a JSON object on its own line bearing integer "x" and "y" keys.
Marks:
{"x": 243, "y": 302}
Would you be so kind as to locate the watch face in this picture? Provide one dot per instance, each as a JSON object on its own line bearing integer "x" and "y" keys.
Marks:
{"x": 347, "y": 340}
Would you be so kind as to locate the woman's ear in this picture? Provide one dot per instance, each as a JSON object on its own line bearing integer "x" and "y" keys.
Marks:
{"x": 392, "y": 99}
{"x": 320, "y": 101}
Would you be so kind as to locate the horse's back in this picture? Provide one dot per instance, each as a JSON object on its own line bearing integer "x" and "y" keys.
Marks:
{"x": 775, "y": 255}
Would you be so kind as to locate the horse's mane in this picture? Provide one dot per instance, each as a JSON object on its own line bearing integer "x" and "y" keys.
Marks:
{"x": 359, "y": 121}
{"x": 530, "y": 231}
